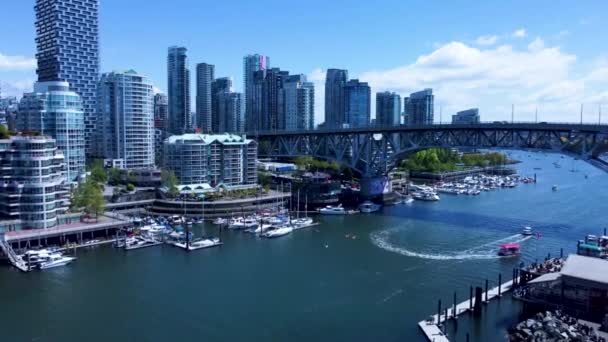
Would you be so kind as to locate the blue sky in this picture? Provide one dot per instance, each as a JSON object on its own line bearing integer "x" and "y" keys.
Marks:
{"x": 550, "y": 55}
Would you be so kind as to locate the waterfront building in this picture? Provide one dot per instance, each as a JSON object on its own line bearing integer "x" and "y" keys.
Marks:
{"x": 468, "y": 116}
{"x": 357, "y": 103}
{"x": 230, "y": 112}
{"x": 219, "y": 86}
{"x": 335, "y": 114}
{"x": 126, "y": 113}
{"x": 298, "y": 103}
{"x": 267, "y": 102}
{"x": 178, "y": 85}
{"x": 67, "y": 49}
{"x": 54, "y": 110}
{"x": 251, "y": 64}
{"x": 213, "y": 160}
{"x": 388, "y": 109}
{"x": 204, "y": 79}
{"x": 32, "y": 179}
{"x": 419, "y": 107}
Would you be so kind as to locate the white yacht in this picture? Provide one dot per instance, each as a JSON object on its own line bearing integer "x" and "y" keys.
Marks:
{"x": 369, "y": 207}
{"x": 55, "y": 260}
{"x": 220, "y": 221}
{"x": 302, "y": 222}
{"x": 277, "y": 232}
{"x": 426, "y": 196}
{"x": 332, "y": 210}
{"x": 527, "y": 231}
{"x": 204, "y": 243}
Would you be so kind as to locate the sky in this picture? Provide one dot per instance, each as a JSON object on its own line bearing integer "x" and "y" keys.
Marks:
{"x": 545, "y": 57}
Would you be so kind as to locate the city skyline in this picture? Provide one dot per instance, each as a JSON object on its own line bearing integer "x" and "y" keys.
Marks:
{"x": 489, "y": 65}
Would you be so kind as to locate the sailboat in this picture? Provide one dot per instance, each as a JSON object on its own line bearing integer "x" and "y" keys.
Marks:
{"x": 302, "y": 222}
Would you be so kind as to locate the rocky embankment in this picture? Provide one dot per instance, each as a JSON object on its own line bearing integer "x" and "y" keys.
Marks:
{"x": 553, "y": 326}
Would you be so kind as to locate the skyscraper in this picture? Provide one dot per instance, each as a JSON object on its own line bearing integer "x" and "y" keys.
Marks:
{"x": 388, "y": 109}
{"x": 419, "y": 107}
{"x": 56, "y": 111}
{"x": 468, "y": 116}
{"x": 298, "y": 103}
{"x": 67, "y": 49}
{"x": 178, "y": 85}
{"x": 230, "y": 112}
{"x": 267, "y": 99}
{"x": 335, "y": 114}
{"x": 204, "y": 78}
{"x": 219, "y": 86}
{"x": 126, "y": 114}
{"x": 251, "y": 64}
{"x": 357, "y": 103}
{"x": 161, "y": 111}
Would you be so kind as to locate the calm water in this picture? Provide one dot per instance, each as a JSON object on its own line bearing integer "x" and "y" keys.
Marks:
{"x": 315, "y": 284}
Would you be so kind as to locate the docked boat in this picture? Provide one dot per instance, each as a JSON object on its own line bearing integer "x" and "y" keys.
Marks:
{"x": 527, "y": 231}
{"x": 277, "y": 232}
{"x": 220, "y": 221}
{"x": 302, "y": 222}
{"x": 240, "y": 223}
{"x": 332, "y": 210}
{"x": 426, "y": 196}
{"x": 369, "y": 207}
{"x": 509, "y": 249}
{"x": 55, "y": 260}
{"x": 204, "y": 243}
{"x": 139, "y": 242}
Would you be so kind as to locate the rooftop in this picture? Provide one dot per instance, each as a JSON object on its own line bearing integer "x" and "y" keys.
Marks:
{"x": 588, "y": 268}
{"x": 225, "y": 138}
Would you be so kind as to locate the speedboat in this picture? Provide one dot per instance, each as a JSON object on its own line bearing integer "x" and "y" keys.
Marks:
{"x": 55, "y": 260}
{"x": 204, "y": 243}
{"x": 426, "y": 196}
{"x": 527, "y": 231}
{"x": 509, "y": 249}
{"x": 369, "y": 207}
{"x": 302, "y": 222}
{"x": 332, "y": 210}
{"x": 220, "y": 221}
{"x": 277, "y": 232}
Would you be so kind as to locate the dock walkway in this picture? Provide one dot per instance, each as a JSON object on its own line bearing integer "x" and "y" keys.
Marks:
{"x": 431, "y": 328}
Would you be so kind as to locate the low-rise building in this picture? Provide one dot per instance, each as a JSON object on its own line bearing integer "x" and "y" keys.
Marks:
{"x": 32, "y": 181}
{"x": 468, "y": 116}
{"x": 218, "y": 160}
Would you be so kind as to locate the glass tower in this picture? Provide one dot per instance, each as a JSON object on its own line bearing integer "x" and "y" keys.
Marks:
{"x": 251, "y": 64}
{"x": 68, "y": 50}
{"x": 56, "y": 111}
{"x": 388, "y": 109}
{"x": 357, "y": 103}
{"x": 204, "y": 79}
{"x": 178, "y": 84}
{"x": 419, "y": 107}
{"x": 335, "y": 114}
{"x": 298, "y": 103}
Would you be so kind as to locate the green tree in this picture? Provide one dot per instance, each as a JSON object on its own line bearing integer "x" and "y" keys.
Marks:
{"x": 169, "y": 181}
{"x": 98, "y": 174}
{"x": 114, "y": 176}
{"x": 88, "y": 197}
{"x": 130, "y": 187}
{"x": 4, "y": 133}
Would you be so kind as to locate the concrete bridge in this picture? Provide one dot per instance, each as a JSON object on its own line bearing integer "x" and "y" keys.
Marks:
{"x": 374, "y": 151}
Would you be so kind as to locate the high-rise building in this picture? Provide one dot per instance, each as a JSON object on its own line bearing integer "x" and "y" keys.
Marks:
{"x": 419, "y": 107}
{"x": 230, "y": 112}
{"x": 335, "y": 113}
{"x": 204, "y": 79}
{"x": 33, "y": 187}
{"x": 220, "y": 159}
{"x": 219, "y": 86}
{"x": 67, "y": 49}
{"x": 126, "y": 114}
{"x": 161, "y": 111}
{"x": 251, "y": 64}
{"x": 267, "y": 100}
{"x": 468, "y": 116}
{"x": 388, "y": 109}
{"x": 56, "y": 111}
{"x": 178, "y": 85}
{"x": 298, "y": 103}
{"x": 357, "y": 97}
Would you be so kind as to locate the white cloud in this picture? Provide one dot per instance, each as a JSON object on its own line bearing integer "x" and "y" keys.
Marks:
{"x": 16, "y": 87}
{"x": 520, "y": 33}
{"x": 493, "y": 78}
{"x": 12, "y": 63}
{"x": 486, "y": 40}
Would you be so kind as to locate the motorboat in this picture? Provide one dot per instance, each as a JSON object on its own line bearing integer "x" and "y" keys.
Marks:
{"x": 509, "y": 249}
{"x": 204, "y": 243}
{"x": 277, "y": 232}
{"x": 220, "y": 221}
{"x": 369, "y": 207}
{"x": 302, "y": 222}
{"x": 332, "y": 210}
{"x": 408, "y": 200}
{"x": 55, "y": 260}
{"x": 426, "y": 196}
{"x": 527, "y": 231}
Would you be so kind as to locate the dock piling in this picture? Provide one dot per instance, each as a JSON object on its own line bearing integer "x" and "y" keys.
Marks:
{"x": 486, "y": 291}
{"x": 478, "y": 300}
{"x": 499, "y": 283}
{"x": 468, "y": 337}
{"x": 454, "y": 313}
{"x": 471, "y": 297}
{"x": 439, "y": 312}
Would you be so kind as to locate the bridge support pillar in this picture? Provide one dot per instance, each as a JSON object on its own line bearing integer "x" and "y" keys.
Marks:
{"x": 375, "y": 187}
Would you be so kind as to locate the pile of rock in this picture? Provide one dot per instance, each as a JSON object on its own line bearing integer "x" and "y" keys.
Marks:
{"x": 553, "y": 326}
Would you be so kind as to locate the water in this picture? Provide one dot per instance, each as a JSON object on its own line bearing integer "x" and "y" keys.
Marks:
{"x": 315, "y": 284}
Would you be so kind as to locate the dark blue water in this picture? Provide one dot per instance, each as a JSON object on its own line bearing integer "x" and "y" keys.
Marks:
{"x": 315, "y": 284}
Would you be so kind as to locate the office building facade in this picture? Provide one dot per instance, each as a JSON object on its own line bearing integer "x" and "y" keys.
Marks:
{"x": 357, "y": 105}
{"x": 56, "y": 111}
{"x": 297, "y": 103}
{"x": 221, "y": 159}
{"x": 204, "y": 78}
{"x": 267, "y": 99}
{"x": 67, "y": 49}
{"x": 419, "y": 107}
{"x": 126, "y": 119}
{"x": 388, "y": 109}
{"x": 32, "y": 181}
{"x": 469, "y": 116}
{"x": 230, "y": 112}
{"x": 252, "y": 64}
{"x": 178, "y": 86}
{"x": 335, "y": 113}
{"x": 219, "y": 86}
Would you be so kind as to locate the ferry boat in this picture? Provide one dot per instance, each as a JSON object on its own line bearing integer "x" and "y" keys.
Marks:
{"x": 527, "y": 231}
{"x": 277, "y": 232}
{"x": 55, "y": 260}
{"x": 369, "y": 207}
{"x": 332, "y": 210}
{"x": 509, "y": 249}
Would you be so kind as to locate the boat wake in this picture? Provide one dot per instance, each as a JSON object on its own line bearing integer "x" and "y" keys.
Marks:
{"x": 485, "y": 251}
